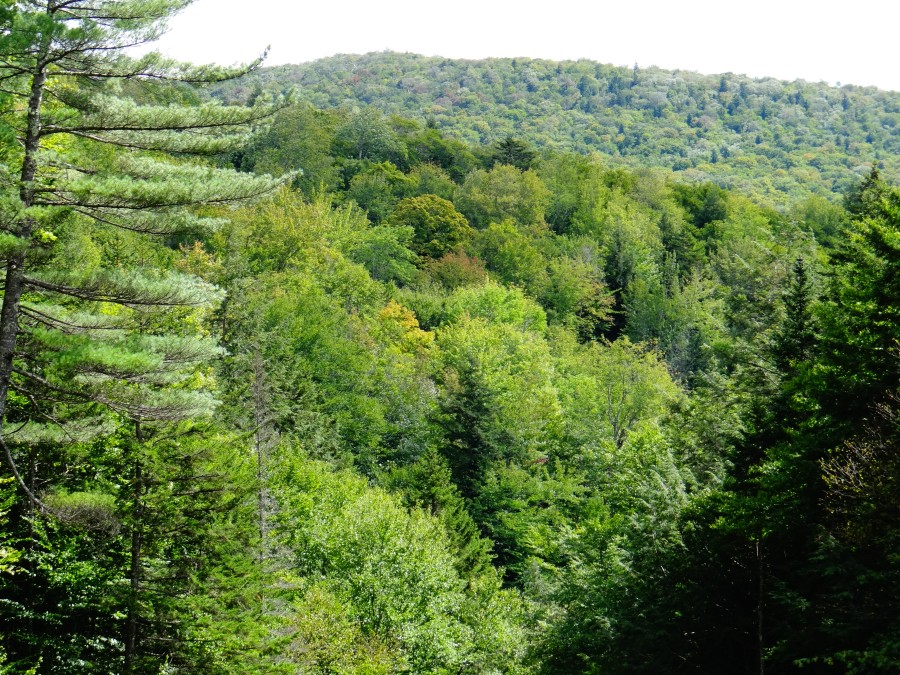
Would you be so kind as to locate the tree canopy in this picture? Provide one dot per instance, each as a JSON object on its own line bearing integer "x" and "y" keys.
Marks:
{"x": 443, "y": 396}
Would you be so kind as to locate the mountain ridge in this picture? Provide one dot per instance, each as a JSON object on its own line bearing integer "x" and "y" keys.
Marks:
{"x": 775, "y": 138}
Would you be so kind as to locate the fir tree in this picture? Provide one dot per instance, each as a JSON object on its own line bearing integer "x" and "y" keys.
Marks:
{"x": 795, "y": 339}
{"x": 514, "y": 152}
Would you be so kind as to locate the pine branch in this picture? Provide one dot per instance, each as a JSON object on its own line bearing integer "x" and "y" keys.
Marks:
{"x": 88, "y": 323}
{"x": 173, "y": 290}
{"x": 73, "y": 395}
{"x": 108, "y": 114}
{"x": 155, "y": 223}
{"x": 181, "y": 143}
{"x": 145, "y": 184}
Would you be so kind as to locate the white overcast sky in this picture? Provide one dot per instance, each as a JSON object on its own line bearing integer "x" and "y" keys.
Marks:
{"x": 847, "y": 42}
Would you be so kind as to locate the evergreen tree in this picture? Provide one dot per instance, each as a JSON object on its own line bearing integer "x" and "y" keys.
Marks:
{"x": 795, "y": 339}
{"x": 861, "y": 317}
{"x": 92, "y": 312}
{"x": 86, "y": 161}
{"x": 514, "y": 152}
{"x": 469, "y": 449}
{"x": 429, "y": 484}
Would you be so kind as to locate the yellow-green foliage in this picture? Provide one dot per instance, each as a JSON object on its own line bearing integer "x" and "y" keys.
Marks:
{"x": 85, "y": 510}
{"x": 385, "y": 582}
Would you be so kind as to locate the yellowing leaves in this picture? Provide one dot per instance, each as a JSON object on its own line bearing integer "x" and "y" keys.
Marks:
{"x": 400, "y": 325}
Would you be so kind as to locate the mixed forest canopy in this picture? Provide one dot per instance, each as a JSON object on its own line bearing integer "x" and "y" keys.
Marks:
{"x": 381, "y": 376}
{"x": 774, "y": 139}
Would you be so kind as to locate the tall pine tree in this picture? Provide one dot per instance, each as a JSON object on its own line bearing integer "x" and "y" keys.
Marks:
{"x": 101, "y": 340}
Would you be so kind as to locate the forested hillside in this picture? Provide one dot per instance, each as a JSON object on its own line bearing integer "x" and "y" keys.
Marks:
{"x": 777, "y": 140}
{"x": 419, "y": 404}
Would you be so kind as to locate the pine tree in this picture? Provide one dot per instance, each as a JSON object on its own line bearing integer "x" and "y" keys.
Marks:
{"x": 84, "y": 164}
{"x": 100, "y": 339}
{"x": 88, "y": 160}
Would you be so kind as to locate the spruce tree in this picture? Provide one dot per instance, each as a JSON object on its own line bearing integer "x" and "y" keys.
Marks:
{"x": 514, "y": 152}
{"x": 795, "y": 338}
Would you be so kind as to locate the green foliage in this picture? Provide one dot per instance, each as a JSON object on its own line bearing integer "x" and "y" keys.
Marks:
{"x": 823, "y": 218}
{"x": 795, "y": 339}
{"x": 629, "y": 421}
{"x": 618, "y": 388}
{"x": 392, "y": 571}
{"x": 781, "y": 141}
{"x": 429, "y": 179}
{"x": 527, "y": 510}
{"x": 682, "y": 317}
{"x": 9, "y": 556}
{"x": 597, "y": 484}
{"x": 576, "y": 296}
{"x": 578, "y": 189}
{"x": 85, "y": 510}
{"x": 861, "y": 317}
{"x": 375, "y": 189}
{"x": 497, "y": 305}
{"x": 505, "y": 192}
{"x": 499, "y": 402}
{"x": 512, "y": 255}
{"x": 366, "y": 135}
{"x": 428, "y": 484}
{"x": 438, "y": 227}
{"x": 299, "y": 137}
{"x": 431, "y": 147}
{"x": 513, "y": 152}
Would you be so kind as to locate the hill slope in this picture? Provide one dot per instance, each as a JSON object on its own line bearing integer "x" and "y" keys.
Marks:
{"x": 774, "y": 138}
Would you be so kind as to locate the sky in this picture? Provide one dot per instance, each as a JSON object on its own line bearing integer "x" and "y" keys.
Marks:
{"x": 823, "y": 40}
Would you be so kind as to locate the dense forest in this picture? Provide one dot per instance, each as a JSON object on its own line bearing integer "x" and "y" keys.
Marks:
{"x": 294, "y": 384}
{"x": 773, "y": 139}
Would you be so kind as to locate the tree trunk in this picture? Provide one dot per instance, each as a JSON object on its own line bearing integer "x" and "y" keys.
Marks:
{"x": 131, "y": 628}
{"x": 760, "y": 643}
{"x": 15, "y": 264}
